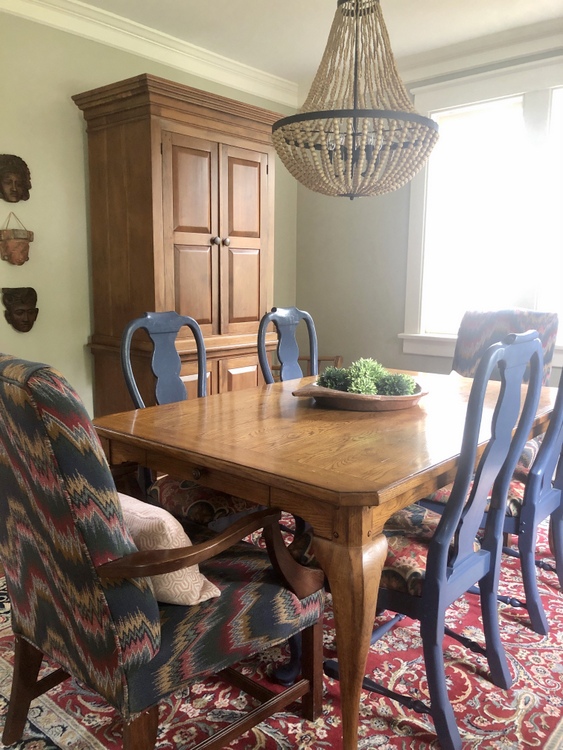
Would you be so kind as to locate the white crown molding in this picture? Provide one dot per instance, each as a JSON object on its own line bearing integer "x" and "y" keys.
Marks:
{"x": 506, "y": 48}
{"x": 91, "y": 23}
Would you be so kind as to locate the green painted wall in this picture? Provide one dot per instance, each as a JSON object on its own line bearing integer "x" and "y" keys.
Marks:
{"x": 351, "y": 275}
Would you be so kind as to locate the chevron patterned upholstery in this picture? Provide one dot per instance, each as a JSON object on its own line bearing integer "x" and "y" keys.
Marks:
{"x": 208, "y": 637}
{"x": 60, "y": 518}
{"x": 479, "y": 329}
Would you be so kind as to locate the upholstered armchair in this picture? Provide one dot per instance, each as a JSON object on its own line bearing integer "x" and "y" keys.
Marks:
{"x": 89, "y": 583}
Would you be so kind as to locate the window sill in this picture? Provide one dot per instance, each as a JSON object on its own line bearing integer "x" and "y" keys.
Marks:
{"x": 429, "y": 346}
{"x": 444, "y": 346}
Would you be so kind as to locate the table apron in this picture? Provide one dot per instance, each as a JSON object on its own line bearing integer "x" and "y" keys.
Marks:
{"x": 249, "y": 489}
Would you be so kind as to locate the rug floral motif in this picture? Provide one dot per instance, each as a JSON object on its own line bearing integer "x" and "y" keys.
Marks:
{"x": 529, "y": 715}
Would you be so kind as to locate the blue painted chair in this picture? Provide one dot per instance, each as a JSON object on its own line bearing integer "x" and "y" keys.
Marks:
{"x": 163, "y": 329}
{"x": 532, "y": 496}
{"x": 186, "y": 499}
{"x": 286, "y": 320}
{"x": 79, "y": 590}
{"x": 433, "y": 560}
{"x": 535, "y": 494}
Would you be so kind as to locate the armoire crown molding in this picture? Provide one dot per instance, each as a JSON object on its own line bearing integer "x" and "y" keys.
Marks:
{"x": 79, "y": 18}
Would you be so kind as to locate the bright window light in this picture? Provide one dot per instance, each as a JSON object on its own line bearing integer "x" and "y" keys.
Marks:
{"x": 493, "y": 222}
{"x": 476, "y": 230}
{"x": 550, "y": 296}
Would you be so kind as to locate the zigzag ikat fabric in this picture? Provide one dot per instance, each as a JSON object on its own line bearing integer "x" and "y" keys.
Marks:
{"x": 479, "y": 329}
{"x": 528, "y": 716}
{"x": 60, "y": 517}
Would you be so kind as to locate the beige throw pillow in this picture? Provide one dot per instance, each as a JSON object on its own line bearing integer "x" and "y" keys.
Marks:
{"x": 155, "y": 528}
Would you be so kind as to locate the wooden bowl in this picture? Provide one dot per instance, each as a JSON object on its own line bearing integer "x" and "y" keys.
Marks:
{"x": 332, "y": 399}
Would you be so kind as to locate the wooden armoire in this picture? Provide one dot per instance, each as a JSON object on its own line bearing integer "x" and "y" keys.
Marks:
{"x": 182, "y": 218}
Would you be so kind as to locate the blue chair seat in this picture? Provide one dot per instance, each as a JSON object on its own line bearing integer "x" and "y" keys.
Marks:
{"x": 534, "y": 494}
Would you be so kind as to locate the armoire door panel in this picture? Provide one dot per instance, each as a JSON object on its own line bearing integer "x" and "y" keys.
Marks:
{"x": 195, "y": 287}
{"x": 242, "y": 269}
{"x": 243, "y": 207}
{"x": 194, "y": 219}
{"x": 244, "y": 197}
{"x": 194, "y": 185}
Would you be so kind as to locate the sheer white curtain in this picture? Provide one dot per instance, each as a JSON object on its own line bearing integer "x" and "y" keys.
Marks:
{"x": 493, "y": 220}
{"x": 477, "y": 217}
{"x": 550, "y": 289}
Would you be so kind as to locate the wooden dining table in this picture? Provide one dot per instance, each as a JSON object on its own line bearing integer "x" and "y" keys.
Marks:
{"x": 345, "y": 472}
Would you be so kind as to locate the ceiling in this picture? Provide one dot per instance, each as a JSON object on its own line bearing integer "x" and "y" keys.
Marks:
{"x": 287, "y": 39}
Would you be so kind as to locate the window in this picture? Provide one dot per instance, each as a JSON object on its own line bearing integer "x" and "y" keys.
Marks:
{"x": 486, "y": 223}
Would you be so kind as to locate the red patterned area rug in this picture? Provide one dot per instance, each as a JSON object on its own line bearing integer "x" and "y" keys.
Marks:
{"x": 529, "y": 715}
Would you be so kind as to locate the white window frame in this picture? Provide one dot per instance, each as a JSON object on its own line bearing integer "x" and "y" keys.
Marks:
{"x": 535, "y": 78}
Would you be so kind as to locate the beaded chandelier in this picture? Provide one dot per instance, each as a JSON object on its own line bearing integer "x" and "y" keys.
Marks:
{"x": 357, "y": 132}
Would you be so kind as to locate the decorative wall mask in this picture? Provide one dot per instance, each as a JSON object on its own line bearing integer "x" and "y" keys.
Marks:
{"x": 14, "y": 242}
{"x": 21, "y": 307}
{"x": 15, "y": 179}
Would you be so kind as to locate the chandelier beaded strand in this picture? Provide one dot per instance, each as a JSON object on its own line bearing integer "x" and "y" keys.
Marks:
{"x": 357, "y": 133}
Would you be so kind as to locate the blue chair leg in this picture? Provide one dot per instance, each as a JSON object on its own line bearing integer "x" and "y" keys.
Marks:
{"x": 557, "y": 541}
{"x": 432, "y": 634}
{"x": 496, "y": 656}
{"x": 527, "y": 549}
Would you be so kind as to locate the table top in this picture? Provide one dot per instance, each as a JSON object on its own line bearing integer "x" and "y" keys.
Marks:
{"x": 269, "y": 436}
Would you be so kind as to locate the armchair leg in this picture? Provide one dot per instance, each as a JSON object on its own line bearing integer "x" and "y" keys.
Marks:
{"x": 24, "y": 689}
{"x": 140, "y": 733}
{"x": 288, "y": 673}
{"x": 312, "y": 670}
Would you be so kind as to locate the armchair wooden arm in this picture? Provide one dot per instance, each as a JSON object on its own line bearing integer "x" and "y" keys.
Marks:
{"x": 301, "y": 580}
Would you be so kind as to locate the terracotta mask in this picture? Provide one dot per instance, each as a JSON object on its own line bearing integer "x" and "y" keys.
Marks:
{"x": 14, "y": 243}
{"x": 14, "y": 251}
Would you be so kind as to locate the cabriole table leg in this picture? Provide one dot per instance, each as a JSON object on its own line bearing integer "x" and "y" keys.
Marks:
{"x": 353, "y": 574}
